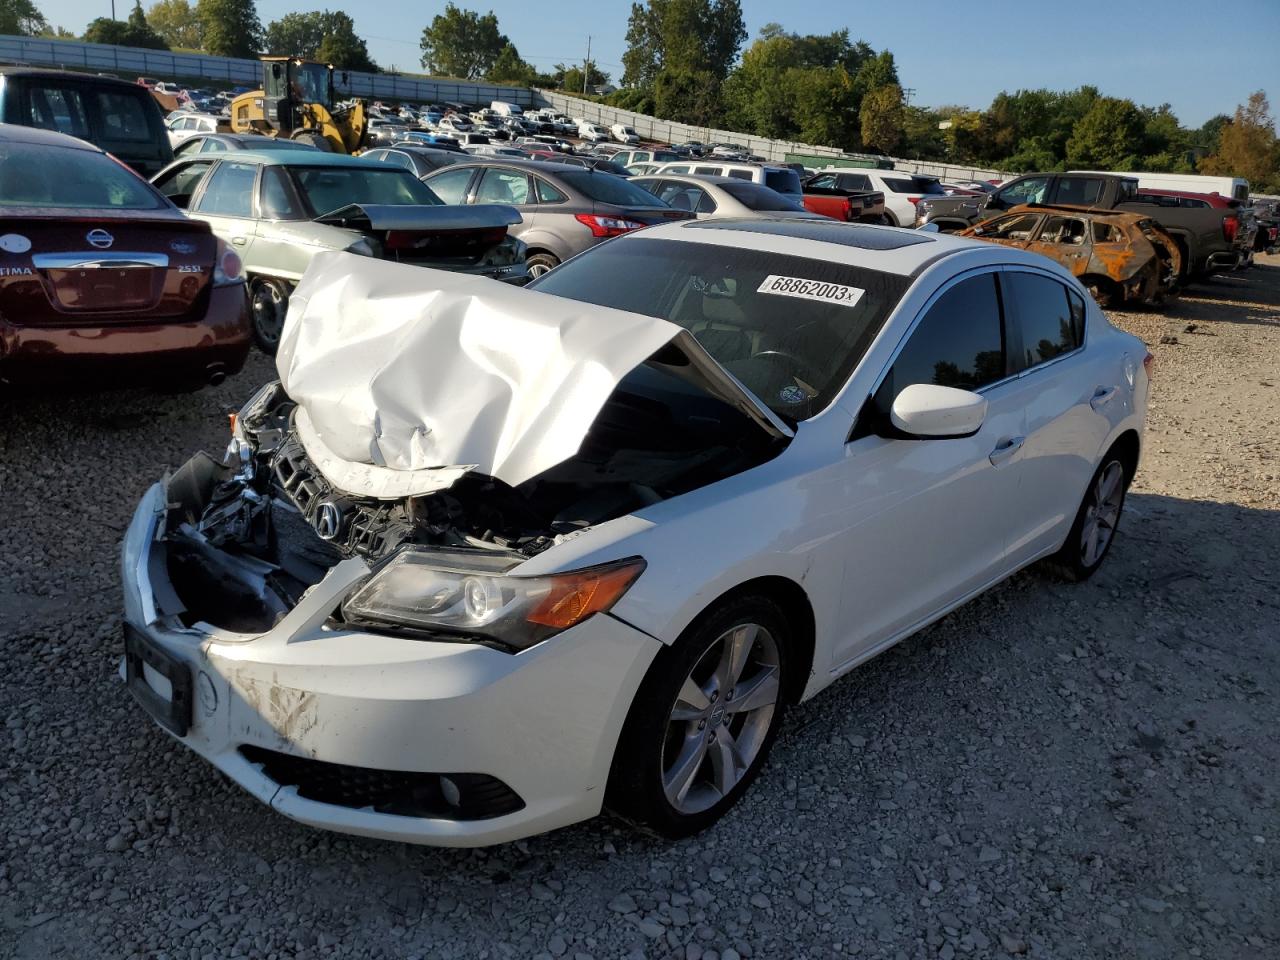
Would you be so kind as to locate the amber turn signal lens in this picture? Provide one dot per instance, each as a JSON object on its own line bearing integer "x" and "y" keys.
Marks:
{"x": 575, "y": 596}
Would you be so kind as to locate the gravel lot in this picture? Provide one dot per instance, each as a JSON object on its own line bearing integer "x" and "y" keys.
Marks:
{"x": 1051, "y": 771}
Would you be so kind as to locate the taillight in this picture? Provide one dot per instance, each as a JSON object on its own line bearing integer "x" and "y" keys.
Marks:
{"x": 228, "y": 268}
{"x": 607, "y": 226}
{"x": 1148, "y": 362}
{"x": 1229, "y": 227}
{"x": 914, "y": 200}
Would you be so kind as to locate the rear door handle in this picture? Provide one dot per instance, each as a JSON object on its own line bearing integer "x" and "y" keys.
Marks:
{"x": 239, "y": 241}
{"x": 1102, "y": 396}
{"x": 1005, "y": 450}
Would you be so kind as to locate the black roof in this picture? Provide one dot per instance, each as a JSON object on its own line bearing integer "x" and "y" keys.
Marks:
{"x": 15, "y": 133}
{"x": 859, "y": 235}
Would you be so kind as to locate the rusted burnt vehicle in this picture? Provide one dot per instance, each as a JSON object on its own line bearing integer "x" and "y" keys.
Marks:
{"x": 1119, "y": 257}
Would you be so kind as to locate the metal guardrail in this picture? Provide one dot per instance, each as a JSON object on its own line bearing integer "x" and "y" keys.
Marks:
{"x": 162, "y": 64}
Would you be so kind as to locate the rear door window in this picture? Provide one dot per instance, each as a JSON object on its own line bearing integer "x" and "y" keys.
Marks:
{"x": 958, "y": 343}
{"x": 503, "y": 186}
{"x": 855, "y": 181}
{"x": 1066, "y": 230}
{"x": 228, "y": 192}
{"x": 1020, "y": 227}
{"x": 54, "y": 107}
{"x": 123, "y": 118}
{"x": 1041, "y": 318}
{"x": 1078, "y": 191}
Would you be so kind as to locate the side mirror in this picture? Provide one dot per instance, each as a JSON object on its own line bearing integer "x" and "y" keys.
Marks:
{"x": 927, "y": 411}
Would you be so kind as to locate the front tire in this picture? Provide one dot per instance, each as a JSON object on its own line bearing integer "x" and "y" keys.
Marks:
{"x": 704, "y": 719}
{"x": 269, "y": 304}
{"x": 1096, "y": 522}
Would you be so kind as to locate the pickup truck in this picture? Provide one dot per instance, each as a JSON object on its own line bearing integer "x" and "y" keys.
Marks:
{"x": 1206, "y": 237}
{"x": 826, "y": 194}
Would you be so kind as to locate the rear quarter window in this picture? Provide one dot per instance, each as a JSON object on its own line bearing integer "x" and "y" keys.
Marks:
{"x": 123, "y": 117}
{"x": 783, "y": 181}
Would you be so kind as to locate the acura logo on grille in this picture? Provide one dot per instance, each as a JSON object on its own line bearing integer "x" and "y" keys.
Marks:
{"x": 328, "y": 520}
{"x": 99, "y": 238}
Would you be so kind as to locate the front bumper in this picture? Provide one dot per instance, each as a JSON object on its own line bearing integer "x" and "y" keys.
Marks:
{"x": 543, "y": 722}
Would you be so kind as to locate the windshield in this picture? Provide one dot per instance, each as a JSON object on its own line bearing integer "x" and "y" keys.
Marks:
{"x": 39, "y": 176}
{"x": 330, "y": 188}
{"x": 756, "y": 197}
{"x": 311, "y": 83}
{"x": 605, "y": 188}
{"x": 924, "y": 186}
{"x": 791, "y": 329}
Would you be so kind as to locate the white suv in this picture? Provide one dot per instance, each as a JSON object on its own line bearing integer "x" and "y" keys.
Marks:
{"x": 773, "y": 175}
{"x": 901, "y": 190}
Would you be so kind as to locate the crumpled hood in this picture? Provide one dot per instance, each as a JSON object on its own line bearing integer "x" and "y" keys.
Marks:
{"x": 406, "y": 377}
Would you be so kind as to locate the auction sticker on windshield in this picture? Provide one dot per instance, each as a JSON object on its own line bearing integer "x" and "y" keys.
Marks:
{"x": 811, "y": 290}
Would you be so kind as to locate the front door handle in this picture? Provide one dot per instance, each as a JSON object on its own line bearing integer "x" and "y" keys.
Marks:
{"x": 1102, "y": 396}
{"x": 239, "y": 241}
{"x": 1005, "y": 449}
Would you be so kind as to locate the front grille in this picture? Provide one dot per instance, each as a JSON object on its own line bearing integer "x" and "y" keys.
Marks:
{"x": 451, "y": 796}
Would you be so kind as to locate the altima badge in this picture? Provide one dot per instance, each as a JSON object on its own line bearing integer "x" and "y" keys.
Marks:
{"x": 99, "y": 238}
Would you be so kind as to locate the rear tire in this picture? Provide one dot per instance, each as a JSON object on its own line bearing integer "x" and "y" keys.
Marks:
{"x": 1096, "y": 522}
{"x": 704, "y": 719}
{"x": 540, "y": 263}
{"x": 269, "y": 305}
{"x": 888, "y": 219}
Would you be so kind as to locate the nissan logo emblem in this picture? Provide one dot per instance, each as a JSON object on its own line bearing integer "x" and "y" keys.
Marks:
{"x": 328, "y": 520}
{"x": 99, "y": 238}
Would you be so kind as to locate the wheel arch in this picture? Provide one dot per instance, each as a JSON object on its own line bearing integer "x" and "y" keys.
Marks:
{"x": 796, "y": 608}
{"x": 1128, "y": 447}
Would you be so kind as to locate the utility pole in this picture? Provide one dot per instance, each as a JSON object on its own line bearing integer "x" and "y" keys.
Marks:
{"x": 906, "y": 95}
{"x": 113, "y": 9}
{"x": 586, "y": 64}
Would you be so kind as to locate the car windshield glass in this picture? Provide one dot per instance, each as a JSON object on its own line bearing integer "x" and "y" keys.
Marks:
{"x": 604, "y": 188}
{"x": 331, "y": 188}
{"x": 791, "y": 329}
{"x": 39, "y": 176}
{"x": 759, "y": 198}
{"x": 783, "y": 181}
{"x": 925, "y": 186}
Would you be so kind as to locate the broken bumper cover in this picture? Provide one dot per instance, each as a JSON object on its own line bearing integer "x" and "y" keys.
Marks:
{"x": 336, "y": 727}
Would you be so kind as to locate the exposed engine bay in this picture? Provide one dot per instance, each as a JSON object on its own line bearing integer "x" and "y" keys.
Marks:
{"x": 247, "y": 537}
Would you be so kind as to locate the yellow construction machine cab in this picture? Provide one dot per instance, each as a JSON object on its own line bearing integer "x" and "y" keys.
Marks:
{"x": 297, "y": 102}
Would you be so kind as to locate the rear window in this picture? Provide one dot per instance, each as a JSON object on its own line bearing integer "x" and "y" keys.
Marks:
{"x": 332, "y": 188}
{"x": 923, "y": 186}
{"x": 57, "y": 108}
{"x": 123, "y": 117}
{"x": 605, "y": 188}
{"x": 783, "y": 181}
{"x": 758, "y": 197}
{"x": 41, "y": 176}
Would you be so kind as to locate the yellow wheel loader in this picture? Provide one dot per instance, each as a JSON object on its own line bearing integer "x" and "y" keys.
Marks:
{"x": 297, "y": 102}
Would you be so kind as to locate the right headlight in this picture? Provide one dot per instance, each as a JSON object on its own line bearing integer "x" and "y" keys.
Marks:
{"x": 469, "y": 594}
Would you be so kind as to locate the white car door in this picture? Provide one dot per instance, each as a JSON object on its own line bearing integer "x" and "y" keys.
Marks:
{"x": 925, "y": 521}
{"x": 1074, "y": 395}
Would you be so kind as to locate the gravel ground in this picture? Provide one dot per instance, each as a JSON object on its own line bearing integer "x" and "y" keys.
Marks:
{"x": 1051, "y": 771}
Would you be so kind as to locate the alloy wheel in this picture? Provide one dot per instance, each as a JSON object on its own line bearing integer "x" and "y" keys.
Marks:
{"x": 721, "y": 718}
{"x": 269, "y": 312}
{"x": 1102, "y": 514}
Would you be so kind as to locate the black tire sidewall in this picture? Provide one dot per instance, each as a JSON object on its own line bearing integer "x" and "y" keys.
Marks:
{"x": 635, "y": 782}
{"x": 1067, "y": 561}
{"x": 264, "y": 343}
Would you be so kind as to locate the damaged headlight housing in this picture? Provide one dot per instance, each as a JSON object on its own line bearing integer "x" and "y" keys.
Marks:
{"x": 469, "y": 594}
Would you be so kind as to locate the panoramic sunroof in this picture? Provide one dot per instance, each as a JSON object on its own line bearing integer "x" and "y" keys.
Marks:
{"x": 832, "y": 231}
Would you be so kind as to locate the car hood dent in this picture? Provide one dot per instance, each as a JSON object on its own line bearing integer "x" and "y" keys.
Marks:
{"x": 407, "y": 378}
{"x": 389, "y": 216}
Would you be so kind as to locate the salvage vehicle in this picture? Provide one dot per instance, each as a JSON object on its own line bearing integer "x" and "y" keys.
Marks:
{"x": 837, "y": 194}
{"x": 901, "y": 191}
{"x": 724, "y": 198}
{"x": 486, "y": 558}
{"x": 102, "y": 280}
{"x": 1207, "y": 239}
{"x": 564, "y": 209}
{"x": 280, "y": 208}
{"x": 1119, "y": 257}
{"x": 120, "y": 117}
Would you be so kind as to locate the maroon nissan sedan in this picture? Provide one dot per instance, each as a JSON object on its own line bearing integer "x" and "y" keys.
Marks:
{"x": 104, "y": 281}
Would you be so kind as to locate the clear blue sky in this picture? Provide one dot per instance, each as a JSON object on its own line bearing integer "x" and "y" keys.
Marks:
{"x": 1200, "y": 56}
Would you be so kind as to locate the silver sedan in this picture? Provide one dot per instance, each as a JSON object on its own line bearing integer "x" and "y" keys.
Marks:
{"x": 719, "y": 198}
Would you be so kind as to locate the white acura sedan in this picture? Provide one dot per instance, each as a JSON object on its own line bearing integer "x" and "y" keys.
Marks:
{"x": 487, "y": 559}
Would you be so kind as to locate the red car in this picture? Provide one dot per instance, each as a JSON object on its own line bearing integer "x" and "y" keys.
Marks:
{"x": 103, "y": 280}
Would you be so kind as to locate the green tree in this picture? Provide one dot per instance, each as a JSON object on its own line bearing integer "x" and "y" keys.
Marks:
{"x": 21, "y": 18}
{"x": 1247, "y": 147}
{"x": 883, "y": 116}
{"x": 176, "y": 21}
{"x": 570, "y": 78}
{"x": 1108, "y": 137}
{"x": 687, "y": 96}
{"x": 510, "y": 68}
{"x": 462, "y": 43}
{"x": 230, "y": 28}
{"x": 133, "y": 32}
{"x": 319, "y": 35}
{"x": 689, "y": 38}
